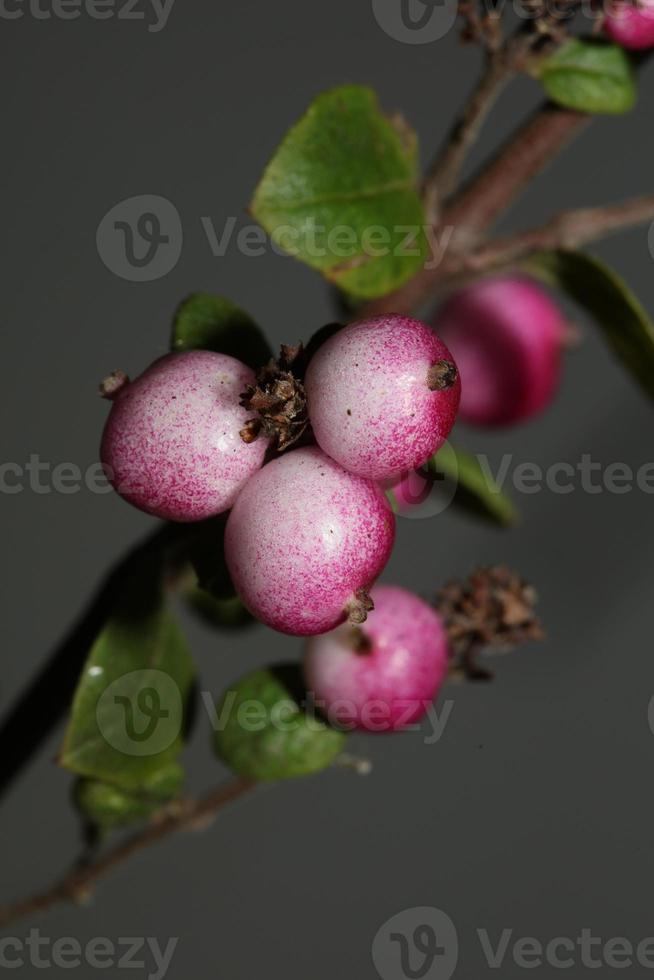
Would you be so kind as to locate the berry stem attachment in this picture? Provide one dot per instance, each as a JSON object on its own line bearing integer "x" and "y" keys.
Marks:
{"x": 112, "y": 384}
{"x": 442, "y": 375}
{"x": 359, "y": 607}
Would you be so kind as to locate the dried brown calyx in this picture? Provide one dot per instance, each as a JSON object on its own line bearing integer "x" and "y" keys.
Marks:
{"x": 442, "y": 375}
{"x": 358, "y": 607}
{"x": 492, "y": 609}
{"x": 279, "y": 400}
{"x": 112, "y": 384}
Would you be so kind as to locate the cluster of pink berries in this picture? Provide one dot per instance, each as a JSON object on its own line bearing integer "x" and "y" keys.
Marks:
{"x": 310, "y": 531}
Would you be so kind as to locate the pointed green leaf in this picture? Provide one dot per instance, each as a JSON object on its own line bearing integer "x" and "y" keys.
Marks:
{"x": 624, "y": 323}
{"x": 264, "y": 733}
{"x": 340, "y": 194}
{"x": 129, "y": 710}
{"x": 589, "y": 75}
{"x": 206, "y": 322}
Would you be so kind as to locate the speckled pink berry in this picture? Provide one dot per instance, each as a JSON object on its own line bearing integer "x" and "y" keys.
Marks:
{"x": 171, "y": 445}
{"x": 384, "y": 675}
{"x": 304, "y": 540}
{"x": 506, "y": 335}
{"x": 631, "y": 24}
{"x": 382, "y": 395}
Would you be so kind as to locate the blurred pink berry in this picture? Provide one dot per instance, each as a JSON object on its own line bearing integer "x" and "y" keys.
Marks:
{"x": 171, "y": 445}
{"x": 382, "y": 395}
{"x": 631, "y": 24}
{"x": 305, "y": 540}
{"x": 383, "y": 675}
{"x": 506, "y": 335}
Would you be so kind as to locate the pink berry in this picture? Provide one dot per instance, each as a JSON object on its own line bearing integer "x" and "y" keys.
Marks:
{"x": 305, "y": 540}
{"x": 506, "y": 335}
{"x": 631, "y": 24}
{"x": 171, "y": 445}
{"x": 382, "y": 395}
{"x": 384, "y": 675}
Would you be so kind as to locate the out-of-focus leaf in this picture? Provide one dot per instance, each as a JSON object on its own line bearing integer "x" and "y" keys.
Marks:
{"x": 129, "y": 710}
{"x": 475, "y": 490}
{"x": 589, "y": 75}
{"x": 624, "y": 323}
{"x": 206, "y": 322}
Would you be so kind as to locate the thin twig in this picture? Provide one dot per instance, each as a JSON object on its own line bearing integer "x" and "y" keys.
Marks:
{"x": 78, "y": 882}
{"x": 442, "y": 176}
{"x": 570, "y": 229}
{"x": 489, "y": 195}
{"x": 505, "y": 179}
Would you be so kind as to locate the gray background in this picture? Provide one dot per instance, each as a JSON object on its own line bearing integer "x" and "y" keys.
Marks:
{"x": 533, "y": 812}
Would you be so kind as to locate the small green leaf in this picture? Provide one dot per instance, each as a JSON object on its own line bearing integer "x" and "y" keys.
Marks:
{"x": 129, "y": 710}
{"x": 264, "y": 733}
{"x": 624, "y": 323}
{"x": 341, "y": 194}
{"x": 108, "y": 806}
{"x": 476, "y": 490}
{"x": 589, "y": 75}
{"x": 206, "y": 322}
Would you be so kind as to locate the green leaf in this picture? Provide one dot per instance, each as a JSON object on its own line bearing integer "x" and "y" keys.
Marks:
{"x": 589, "y": 75}
{"x": 129, "y": 710}
{"x": 624, "y": 323}
{"x": 206, "y": 322}
{"x": 264, "y": 733}
{"x": 476, "y": 490}
{"x": 109, "y": 806}
{"x": 342, "y": 172}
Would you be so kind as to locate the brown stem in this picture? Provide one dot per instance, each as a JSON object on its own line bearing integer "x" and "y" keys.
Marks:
{"x": 441, "y": 178}
{"x": 78, "y": 882}
{"x": 569, "y": 229}
{"x": 475, "y": 209}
